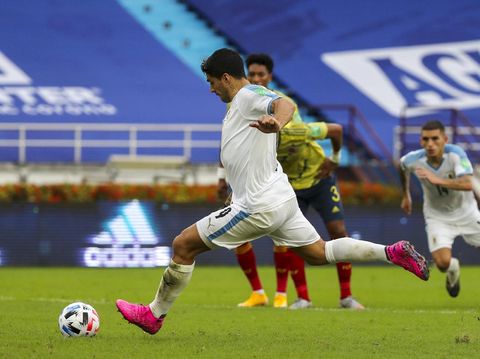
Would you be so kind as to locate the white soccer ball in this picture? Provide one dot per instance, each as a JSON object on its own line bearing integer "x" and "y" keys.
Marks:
{"x": 79, "y": 320}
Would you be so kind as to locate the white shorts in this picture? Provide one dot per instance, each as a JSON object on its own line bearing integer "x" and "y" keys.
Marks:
{"x": 231, "y": 227}
{"x": 442, "y": 234}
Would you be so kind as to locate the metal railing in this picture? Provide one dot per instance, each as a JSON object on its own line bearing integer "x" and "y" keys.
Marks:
{"x": 78, "y": 132}
{"x": 361, "y": 139}
{"x": 356, "y": 129}
{"x": 458, "y": 127}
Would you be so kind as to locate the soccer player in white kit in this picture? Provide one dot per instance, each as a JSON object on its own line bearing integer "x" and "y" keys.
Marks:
{"x": 264, "y": 202}
{"x": 449, "y": 206}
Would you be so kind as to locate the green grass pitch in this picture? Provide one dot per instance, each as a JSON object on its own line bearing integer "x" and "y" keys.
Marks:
{"x": 406, "y": 317}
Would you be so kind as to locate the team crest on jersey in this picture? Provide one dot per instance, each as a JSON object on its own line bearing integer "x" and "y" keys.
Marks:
{"x": 262, "y": 91}
{"x": 466, "y": 164}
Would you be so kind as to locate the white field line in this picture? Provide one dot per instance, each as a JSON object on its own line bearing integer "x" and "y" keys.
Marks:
{"x": 6, "y": 299}
{"x": 340, "y": 310}
{"x": 54, "y": 300}
{"x": 218, "y": 306}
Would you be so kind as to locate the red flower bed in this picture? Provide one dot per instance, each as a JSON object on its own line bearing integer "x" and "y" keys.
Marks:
{"x": 352, "y": 193}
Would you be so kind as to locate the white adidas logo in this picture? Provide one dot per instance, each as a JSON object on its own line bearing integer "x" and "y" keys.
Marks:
{"x": 129, "y": 227}
{"x": 127, "y": 242}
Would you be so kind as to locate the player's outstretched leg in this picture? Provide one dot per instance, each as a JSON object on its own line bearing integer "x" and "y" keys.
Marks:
{"x": 350, "y": 250}
{"x": 404, "y": 255}
{"x": 453, "y": 278}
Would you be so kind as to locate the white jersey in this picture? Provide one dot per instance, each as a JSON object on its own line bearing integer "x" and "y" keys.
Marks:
{"x": 250, "y": 156}
{"x": 438, "y": 202}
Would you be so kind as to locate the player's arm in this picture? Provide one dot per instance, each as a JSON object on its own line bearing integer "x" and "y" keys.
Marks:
{"x": 282, "y": 112}
{"x": 462, "y": 183}
{"x": 335, "y": 134}
{"x": 406, "y": 203}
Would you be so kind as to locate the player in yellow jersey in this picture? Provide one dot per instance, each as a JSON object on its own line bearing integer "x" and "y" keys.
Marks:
{"x": 310, "y": 173}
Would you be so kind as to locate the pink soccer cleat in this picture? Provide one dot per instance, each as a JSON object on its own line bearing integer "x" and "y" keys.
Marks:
{"x": 140, "y": 315}
{"x": 404, "y": 255}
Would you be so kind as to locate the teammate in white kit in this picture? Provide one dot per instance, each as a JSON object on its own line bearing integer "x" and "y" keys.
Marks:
{"x": 449, "y": 206}
{"x": 263, "y": 203}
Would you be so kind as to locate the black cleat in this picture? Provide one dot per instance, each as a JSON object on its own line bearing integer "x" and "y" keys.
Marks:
{"x": 454, "y": 289}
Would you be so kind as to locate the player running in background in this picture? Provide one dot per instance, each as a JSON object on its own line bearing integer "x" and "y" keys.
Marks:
{"x": 449, "y": 206}
{"x": 263, "y": 203}
{"x": 310, "y": 173}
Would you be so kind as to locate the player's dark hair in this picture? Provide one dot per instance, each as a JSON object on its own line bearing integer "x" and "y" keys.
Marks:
{"x": 224, "y": 61}
{"x": 260, "y": 59}
{"x": 433, "y": 125}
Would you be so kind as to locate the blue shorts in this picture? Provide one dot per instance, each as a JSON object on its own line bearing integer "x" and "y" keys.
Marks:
{"x": 324, "y": 198}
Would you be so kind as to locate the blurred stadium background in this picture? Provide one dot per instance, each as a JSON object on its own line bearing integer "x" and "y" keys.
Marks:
{"x": 107, "y": 93}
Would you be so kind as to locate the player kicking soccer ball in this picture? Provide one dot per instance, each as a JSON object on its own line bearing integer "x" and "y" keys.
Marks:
{"x": 449, "y": 206}
{"x": 263, "y": 201}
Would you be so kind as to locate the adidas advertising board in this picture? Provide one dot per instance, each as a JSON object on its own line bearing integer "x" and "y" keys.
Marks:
{"x": 127, "y": 241}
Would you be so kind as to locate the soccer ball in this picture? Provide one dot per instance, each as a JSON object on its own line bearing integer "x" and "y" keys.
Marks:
{"x": 79, "y": 320}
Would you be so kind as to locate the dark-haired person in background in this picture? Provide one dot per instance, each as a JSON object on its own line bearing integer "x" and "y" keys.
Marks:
{"x": 263, "y": 201}
{"x": 449, "y": 206}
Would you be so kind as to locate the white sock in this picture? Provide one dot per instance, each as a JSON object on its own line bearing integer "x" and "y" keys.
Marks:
{"x": 174, "y": 280}
{"x": 453, "y": 270}
{"x": 353, "y": 250}
{"x": 454, "y": 265}
{"x": 260, "y": 291}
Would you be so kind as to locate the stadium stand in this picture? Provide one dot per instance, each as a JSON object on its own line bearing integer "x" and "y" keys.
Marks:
{"x": 323, "y": 52}
{"x": 71, "y": 65}
{"x": 71, "y": 77}
{"x": 180, "y": 30}
{"x": 77, "y": 86}
{"x": 185, "y": 24}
